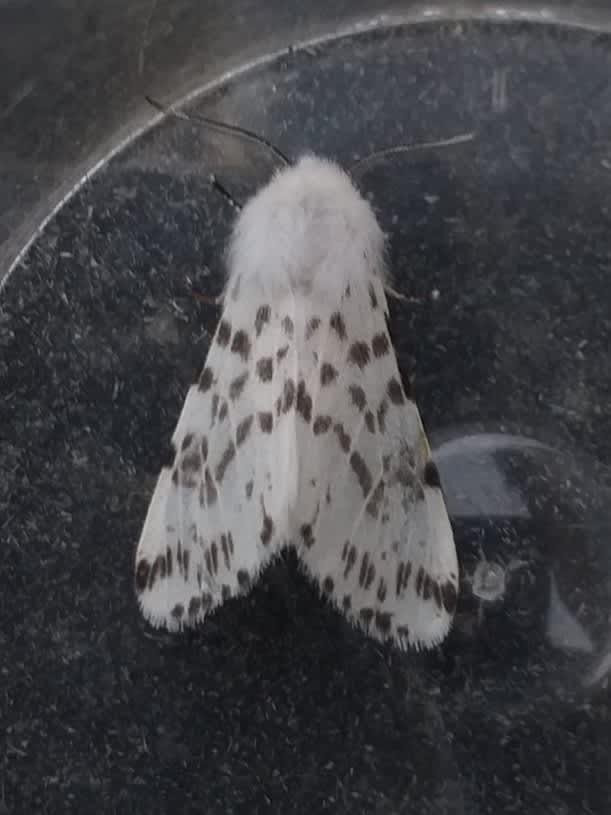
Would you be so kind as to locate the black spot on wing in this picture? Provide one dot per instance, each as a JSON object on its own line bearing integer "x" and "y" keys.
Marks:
{"x": 365, "y": 564}
{"x": 431, "y": 475}
{"x": 343, "y": 436}
{"x": 403, "y": 632}
{"x": 362, "y": 472}
{"x": 395, "y": 392}
{"x": 157, "y": 569}
{"x": 373, "y": 505}
{"x": 263, "y": 317}
{"x": 312, "y": 327}
{"x": 338, "y": 325}
{"x": 307, "y": 536}
{"x": 190, "y": 465}
{"x": 266, "y": 421}
{"x": 237, "y": 386}
{"x": 382, "y": 411}
{"x": 241, "y": 344}
{"x": 225, "y": 550}
{"x": 226, "y": 459}
{"x": 243, "y": 430}
{"x": 214, "y": 408}
{"x": 267, "y": 529}
{"x": 366, "y": 616}
{"x": 350, "y": 560}
{"x": 211, "y": 493}
{"x": 359, "y": 354}
{"x": 321, "y": 424}
{"x": 357, "y": 394}
{"x": 404, "y": 571}
{"x": 304, "y": 402}
{"x": 419, "y": 581}
{"x": 265, "y": 369}
{"x": 383, "y": 622}
{"x": 223, "y": 334}
{"x": 328, "y": 374}
{"x": 205, "y": 380}
{"x": 380, "y": 345}
{"x": 288, "y": 326}
{"x": 195, "y": 605}
{"x": 142, "y": 574}
{"x": 288, "y": 395}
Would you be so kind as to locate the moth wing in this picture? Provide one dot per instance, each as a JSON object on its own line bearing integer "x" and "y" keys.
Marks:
{"x": 220, "y": 507}
{"x": 374, "y": 530}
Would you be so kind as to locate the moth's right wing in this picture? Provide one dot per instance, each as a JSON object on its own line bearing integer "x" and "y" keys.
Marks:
{"x": 220, "y": 507}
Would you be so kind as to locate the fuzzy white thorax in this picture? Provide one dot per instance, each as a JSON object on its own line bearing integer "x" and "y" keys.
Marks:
{"x": 308, "y": 229}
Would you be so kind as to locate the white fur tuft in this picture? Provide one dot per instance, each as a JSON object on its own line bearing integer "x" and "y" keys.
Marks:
{"x": 308, "y": 227}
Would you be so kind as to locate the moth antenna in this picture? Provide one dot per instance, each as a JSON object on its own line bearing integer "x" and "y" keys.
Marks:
{"x": 363, "y": 164}
{"x": 216, "y": 184}
{"x": 223, "y": 127}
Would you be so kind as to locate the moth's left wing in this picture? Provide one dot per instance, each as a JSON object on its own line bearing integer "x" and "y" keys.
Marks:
{"x": 373, "y": 527}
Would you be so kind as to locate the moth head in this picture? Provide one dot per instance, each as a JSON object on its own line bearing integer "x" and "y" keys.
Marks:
{"x": 308, "y": 228}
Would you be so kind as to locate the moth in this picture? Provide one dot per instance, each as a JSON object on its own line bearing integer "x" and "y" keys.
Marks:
{"x": 300, "y": 431}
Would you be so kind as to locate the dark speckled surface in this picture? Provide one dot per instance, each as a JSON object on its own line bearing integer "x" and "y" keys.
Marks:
{"x": 276, "y": 705}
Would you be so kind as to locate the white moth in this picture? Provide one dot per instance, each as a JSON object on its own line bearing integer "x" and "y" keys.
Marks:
{"x": 300, "y": 432}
